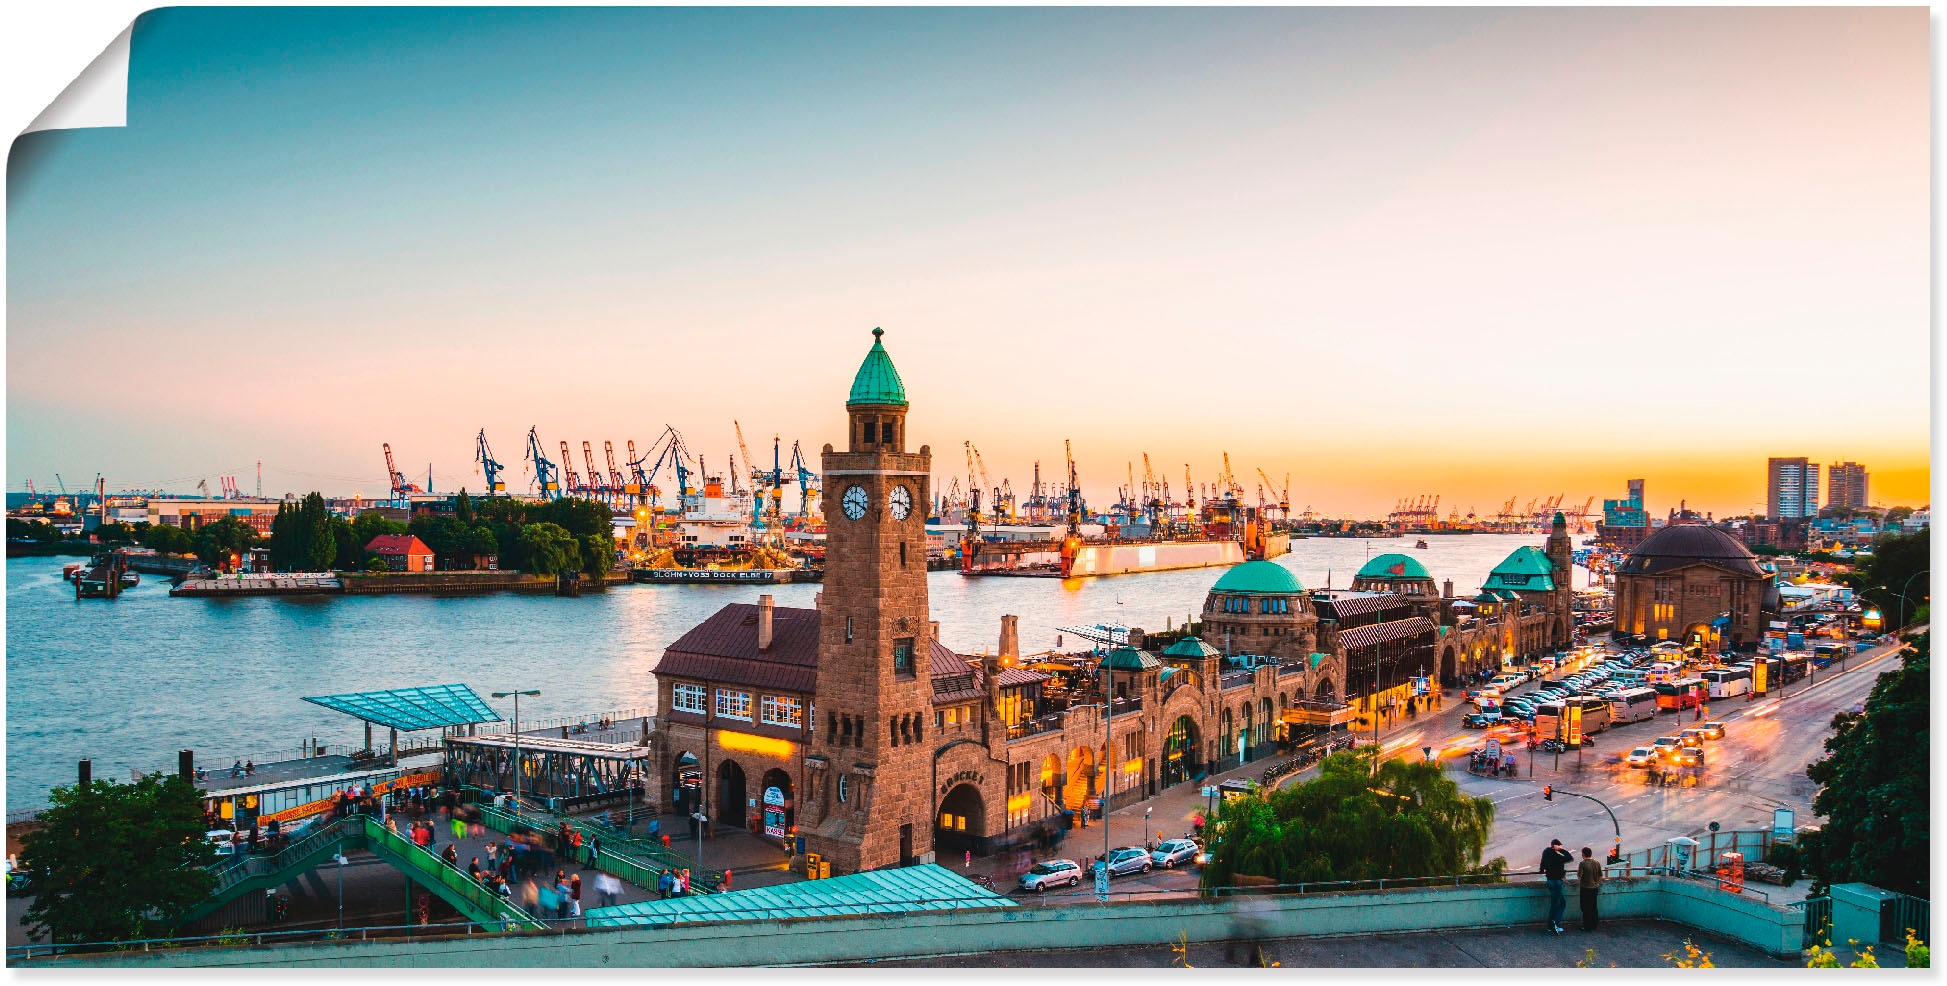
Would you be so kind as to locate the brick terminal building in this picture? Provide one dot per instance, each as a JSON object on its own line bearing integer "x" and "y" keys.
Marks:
{"x": 853, "y": 726}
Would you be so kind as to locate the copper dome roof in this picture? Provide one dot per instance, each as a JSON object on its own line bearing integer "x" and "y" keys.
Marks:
{"x": 1689, "y": 544}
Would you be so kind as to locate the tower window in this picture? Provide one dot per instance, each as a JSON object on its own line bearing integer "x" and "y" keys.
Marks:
{"x": 848, "y": 629}
{"x": 902, "y": 656}
{"x": 885, "y": 431}
{"x": 902, "y": 554}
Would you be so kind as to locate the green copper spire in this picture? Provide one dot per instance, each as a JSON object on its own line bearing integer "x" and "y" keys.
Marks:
{"x": 878, "y": 381}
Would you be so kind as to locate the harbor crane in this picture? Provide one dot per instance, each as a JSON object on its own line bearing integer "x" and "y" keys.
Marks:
{"x": 614, "y": 475}
{"x": 743, "y": 452}
{"x": 596, "y": 484}
{"x": 1074, "y": 492}
{"x": 973, "y": 490}
{"x": 807, "y": 483}
{"x": 206, "y": 485}
{"x": 400, "y": 488}
{"x": 483, "y": 456}
{"x": 568, "y": 467}
{"x": 547, "y": 476}
{"x": 1283, "y": 493}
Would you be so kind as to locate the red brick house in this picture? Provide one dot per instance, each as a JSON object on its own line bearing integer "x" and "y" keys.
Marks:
{"x": 402, "y": 552}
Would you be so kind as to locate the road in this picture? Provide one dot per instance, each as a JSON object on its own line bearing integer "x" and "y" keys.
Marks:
{"x": 1758, "y": 766}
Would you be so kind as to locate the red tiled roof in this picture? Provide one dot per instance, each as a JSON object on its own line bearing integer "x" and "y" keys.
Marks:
{"x": 398, "y": 544}
{"x": 724, "y": 648}
{"x": 945, "y": 661}
{"x": 1381, "y": 633}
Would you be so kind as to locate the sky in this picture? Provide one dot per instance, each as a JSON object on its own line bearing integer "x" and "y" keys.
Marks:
{"x": 1475, "y": 253}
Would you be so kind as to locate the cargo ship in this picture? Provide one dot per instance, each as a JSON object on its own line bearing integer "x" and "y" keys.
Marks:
{"x": 718, "y": 537}
{"x": 1227, "y": 535}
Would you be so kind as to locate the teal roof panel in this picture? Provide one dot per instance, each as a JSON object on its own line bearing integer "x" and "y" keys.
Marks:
{"x": 878, "y": 380}
{"x": 1191, "y": 647}
{"x": 408, "y": 709}
{"x": 1526, "y": 570}
{"x": 1131, "y": 659}
{"x": 901, "y": 890}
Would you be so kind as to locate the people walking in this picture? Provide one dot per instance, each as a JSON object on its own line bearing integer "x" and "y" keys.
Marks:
{"x": 1588, "y": 875}
{"x": 608, "y": 887}
{"x": 1554, "y": 866}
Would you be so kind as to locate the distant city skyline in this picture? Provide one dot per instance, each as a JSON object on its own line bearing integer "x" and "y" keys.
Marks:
{"x": 1473, "y": 253}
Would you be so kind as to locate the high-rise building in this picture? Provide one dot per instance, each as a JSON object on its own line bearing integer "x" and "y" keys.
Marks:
{"x": 1624, "y": 522}
{"x": 1845, "y": 485}
{"x": 1791, "y": 488}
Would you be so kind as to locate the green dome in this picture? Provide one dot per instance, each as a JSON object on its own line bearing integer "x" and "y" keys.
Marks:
{"x": 878, "y": 381}
{"x": 1269, "y": 578}
{"x": 1191, "y": 647}
{"x": 1394, "y": 566}
{"x": 1131, "y": 659}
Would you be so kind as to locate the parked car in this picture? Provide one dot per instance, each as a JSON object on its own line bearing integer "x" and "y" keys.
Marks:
{"x": 1127, "y": 860}
{"x": 1052, "y": 873}
{"x": 1641, "y": 757}
{"x": 1712, "y": 730}
{"x": 1175, "y": 851}
{"x": 1480, "y": 720}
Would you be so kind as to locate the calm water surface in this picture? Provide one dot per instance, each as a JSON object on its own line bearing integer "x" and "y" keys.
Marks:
{"x": 129, "y": 682}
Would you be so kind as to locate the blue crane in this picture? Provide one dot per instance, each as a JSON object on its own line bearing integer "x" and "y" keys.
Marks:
{"x": 485, "y": 457}
{"x": 547, "y": 475}
{"x": 670, "y": 448}
{"x": 807, "y": 483}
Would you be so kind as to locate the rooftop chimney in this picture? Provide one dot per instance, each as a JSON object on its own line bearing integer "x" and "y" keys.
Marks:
{"x": 936, "y": 629}
{"x": 818, "y": 600}
{"x": 1010, "y": 639}
{"x": 765, "y": 604}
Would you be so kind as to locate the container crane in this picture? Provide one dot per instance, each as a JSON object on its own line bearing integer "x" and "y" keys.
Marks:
{"x": 614, "y": 474}
{"x": 568, "y": 466}
{"x": 743, "y": 452}
{"x": 807, "y": 483}
{"x": 1283, "y": 492}
{"x": 400, "y": 488}
{"x": 484, "y": 457}
{"x": 547, "y": 476}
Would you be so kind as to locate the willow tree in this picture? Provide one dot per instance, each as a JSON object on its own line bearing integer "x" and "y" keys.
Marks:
{"x": 1406, "y": 819}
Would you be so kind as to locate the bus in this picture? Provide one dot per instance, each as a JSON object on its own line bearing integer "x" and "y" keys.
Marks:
{"x": 1683, "y": 693}
{"x": 1727, "y": 682}
{"x": 1633, "y": 705}
{"x": 1595, "y": 715}
{"x": 1668, "y": 650}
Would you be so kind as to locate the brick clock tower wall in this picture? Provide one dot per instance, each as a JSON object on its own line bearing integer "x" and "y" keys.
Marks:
{"x": 869, "y": 803}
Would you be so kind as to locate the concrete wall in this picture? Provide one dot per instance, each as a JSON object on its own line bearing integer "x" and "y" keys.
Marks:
{"x": 853, "y": 939}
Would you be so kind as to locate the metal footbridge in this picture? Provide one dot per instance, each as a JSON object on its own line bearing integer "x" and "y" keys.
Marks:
{"x": 243, "y": 875}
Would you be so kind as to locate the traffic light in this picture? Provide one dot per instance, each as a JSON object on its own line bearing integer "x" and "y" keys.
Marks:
{"x": 1547, "y": 792}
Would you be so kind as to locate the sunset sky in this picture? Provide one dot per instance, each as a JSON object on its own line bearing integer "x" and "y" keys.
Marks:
{"x": 1480, "y": 254}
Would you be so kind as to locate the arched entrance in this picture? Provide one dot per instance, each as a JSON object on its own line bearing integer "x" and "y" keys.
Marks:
{"x": 1051, "y": 778}
{"x": 1247, "y": 738}
{"x": 686, "y": 783}
{"x": 1268, "y": 731}
{"x": 780, "y": 810}
{"x": 1325, "y": 692}
{"x": 733, "y": 804}
{"x": 962, "y": 822}
{"x": 1180, "y": 752}
{"x": 1081, "y": 778}
{"x": 1449, "y": 665}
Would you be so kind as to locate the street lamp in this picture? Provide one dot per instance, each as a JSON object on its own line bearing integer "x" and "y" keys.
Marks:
{"x": 517, "y": 740}
{"x": 1903, "y": 587}
{"x": 339, "y": 858}
{"x": 701, "y": 821}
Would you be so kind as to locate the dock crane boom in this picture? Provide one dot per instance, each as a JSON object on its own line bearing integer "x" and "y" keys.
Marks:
{"x": 399, "y": 485}
{"x": 614, "y": 474}
{"x": 807, "y": 483}
{"x": 568, "y": 466}
{"x": 1074, "y": 492}
{"x": 547, "y": 476}
{"x": 484, "y": 457}
{"x": 596, "y": 484}
{"x": 743, "y": 454}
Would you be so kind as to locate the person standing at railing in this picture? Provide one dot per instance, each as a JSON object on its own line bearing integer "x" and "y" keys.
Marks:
{"x": 1554, "y": 866}
{"x": 1588, "y": 875}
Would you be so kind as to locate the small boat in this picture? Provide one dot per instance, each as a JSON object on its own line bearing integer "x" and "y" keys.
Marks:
{"x": 1421, "y": 543}
{"x": 131, "y": 579}
{"x": 69, "y": 571}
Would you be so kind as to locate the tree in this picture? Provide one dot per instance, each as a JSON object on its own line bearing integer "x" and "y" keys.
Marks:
{"x": 369, "y": 525}
{"x": 1408, "y": 820}
{"x": 32, "y": 530}
{"x": 115, "y": 532}
{"x": 1873, "y": 786}
{"x": 115, "y": 861}
{"x": 284, "y": 538}
{"x": 167, "y": 539}
{"x": 597, "y": 553}
{"x": 320, "y": 549}
{"x": 463, "y": 508}
{"x": 217, "y": 540}
{"x": 1890, "y": 580}
{"x": 549, "y": 549}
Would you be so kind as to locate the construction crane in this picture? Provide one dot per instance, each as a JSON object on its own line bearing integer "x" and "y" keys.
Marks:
{"x": 1231, "y": 487}
{"x": 1283, "y": 492}
{"x": 986, "y": 483}
{"x": 597, "y": 486}
{"x": 400, "y": 488}
{"x": 483, "y": 456}
{"x": 1189, "y": 492}
{"x": 973, "y": 490}
{"x": 547, "y": 476}
{"x": 743, "y": 452}
{"x": 1074, "y": 492}
{"x": 568, "y": 467}
{"x": 205, "y": 483}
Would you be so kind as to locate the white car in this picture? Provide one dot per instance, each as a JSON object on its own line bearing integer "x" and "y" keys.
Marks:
{"x": 1052, "y": 873}
{"x": 1175, "y": 851}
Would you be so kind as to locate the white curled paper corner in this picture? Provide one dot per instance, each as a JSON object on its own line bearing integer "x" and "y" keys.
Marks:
{"x": 98, "y": 97}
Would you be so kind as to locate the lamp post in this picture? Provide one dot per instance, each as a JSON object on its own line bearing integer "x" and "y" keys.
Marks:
{"x": 1903, "y": 587}
{"x": 339, "y": 858}
{"x": 517, "y": 741}
{"x": 701, "y": 820}
{"x": 1108, "y": 773}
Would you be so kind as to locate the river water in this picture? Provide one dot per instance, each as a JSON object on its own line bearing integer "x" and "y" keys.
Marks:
{"x": 129, "y": 682}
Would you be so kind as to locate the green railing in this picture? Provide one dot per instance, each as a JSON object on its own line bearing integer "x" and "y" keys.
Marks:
{"x": 241, "y": 868}
{"x": 432, "y": 869}
{"x": 638, "y": 861}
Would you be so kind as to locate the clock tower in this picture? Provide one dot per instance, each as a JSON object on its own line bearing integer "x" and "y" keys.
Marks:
{"x": 869, "y": 801}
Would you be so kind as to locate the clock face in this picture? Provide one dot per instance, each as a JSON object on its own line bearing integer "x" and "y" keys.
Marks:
{"x": 855, "y": 502}
{"x": 900, "y": 502}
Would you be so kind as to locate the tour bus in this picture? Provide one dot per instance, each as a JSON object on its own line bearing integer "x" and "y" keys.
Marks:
{"x": 1633, "y": 705}
{"x": 1663, "y": 671}
{"x": 1683, "y": 693}
{"x": 1595, "y": 715}
{"x": 1727, "y": 682}
{"x": 1667, "y": 650}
